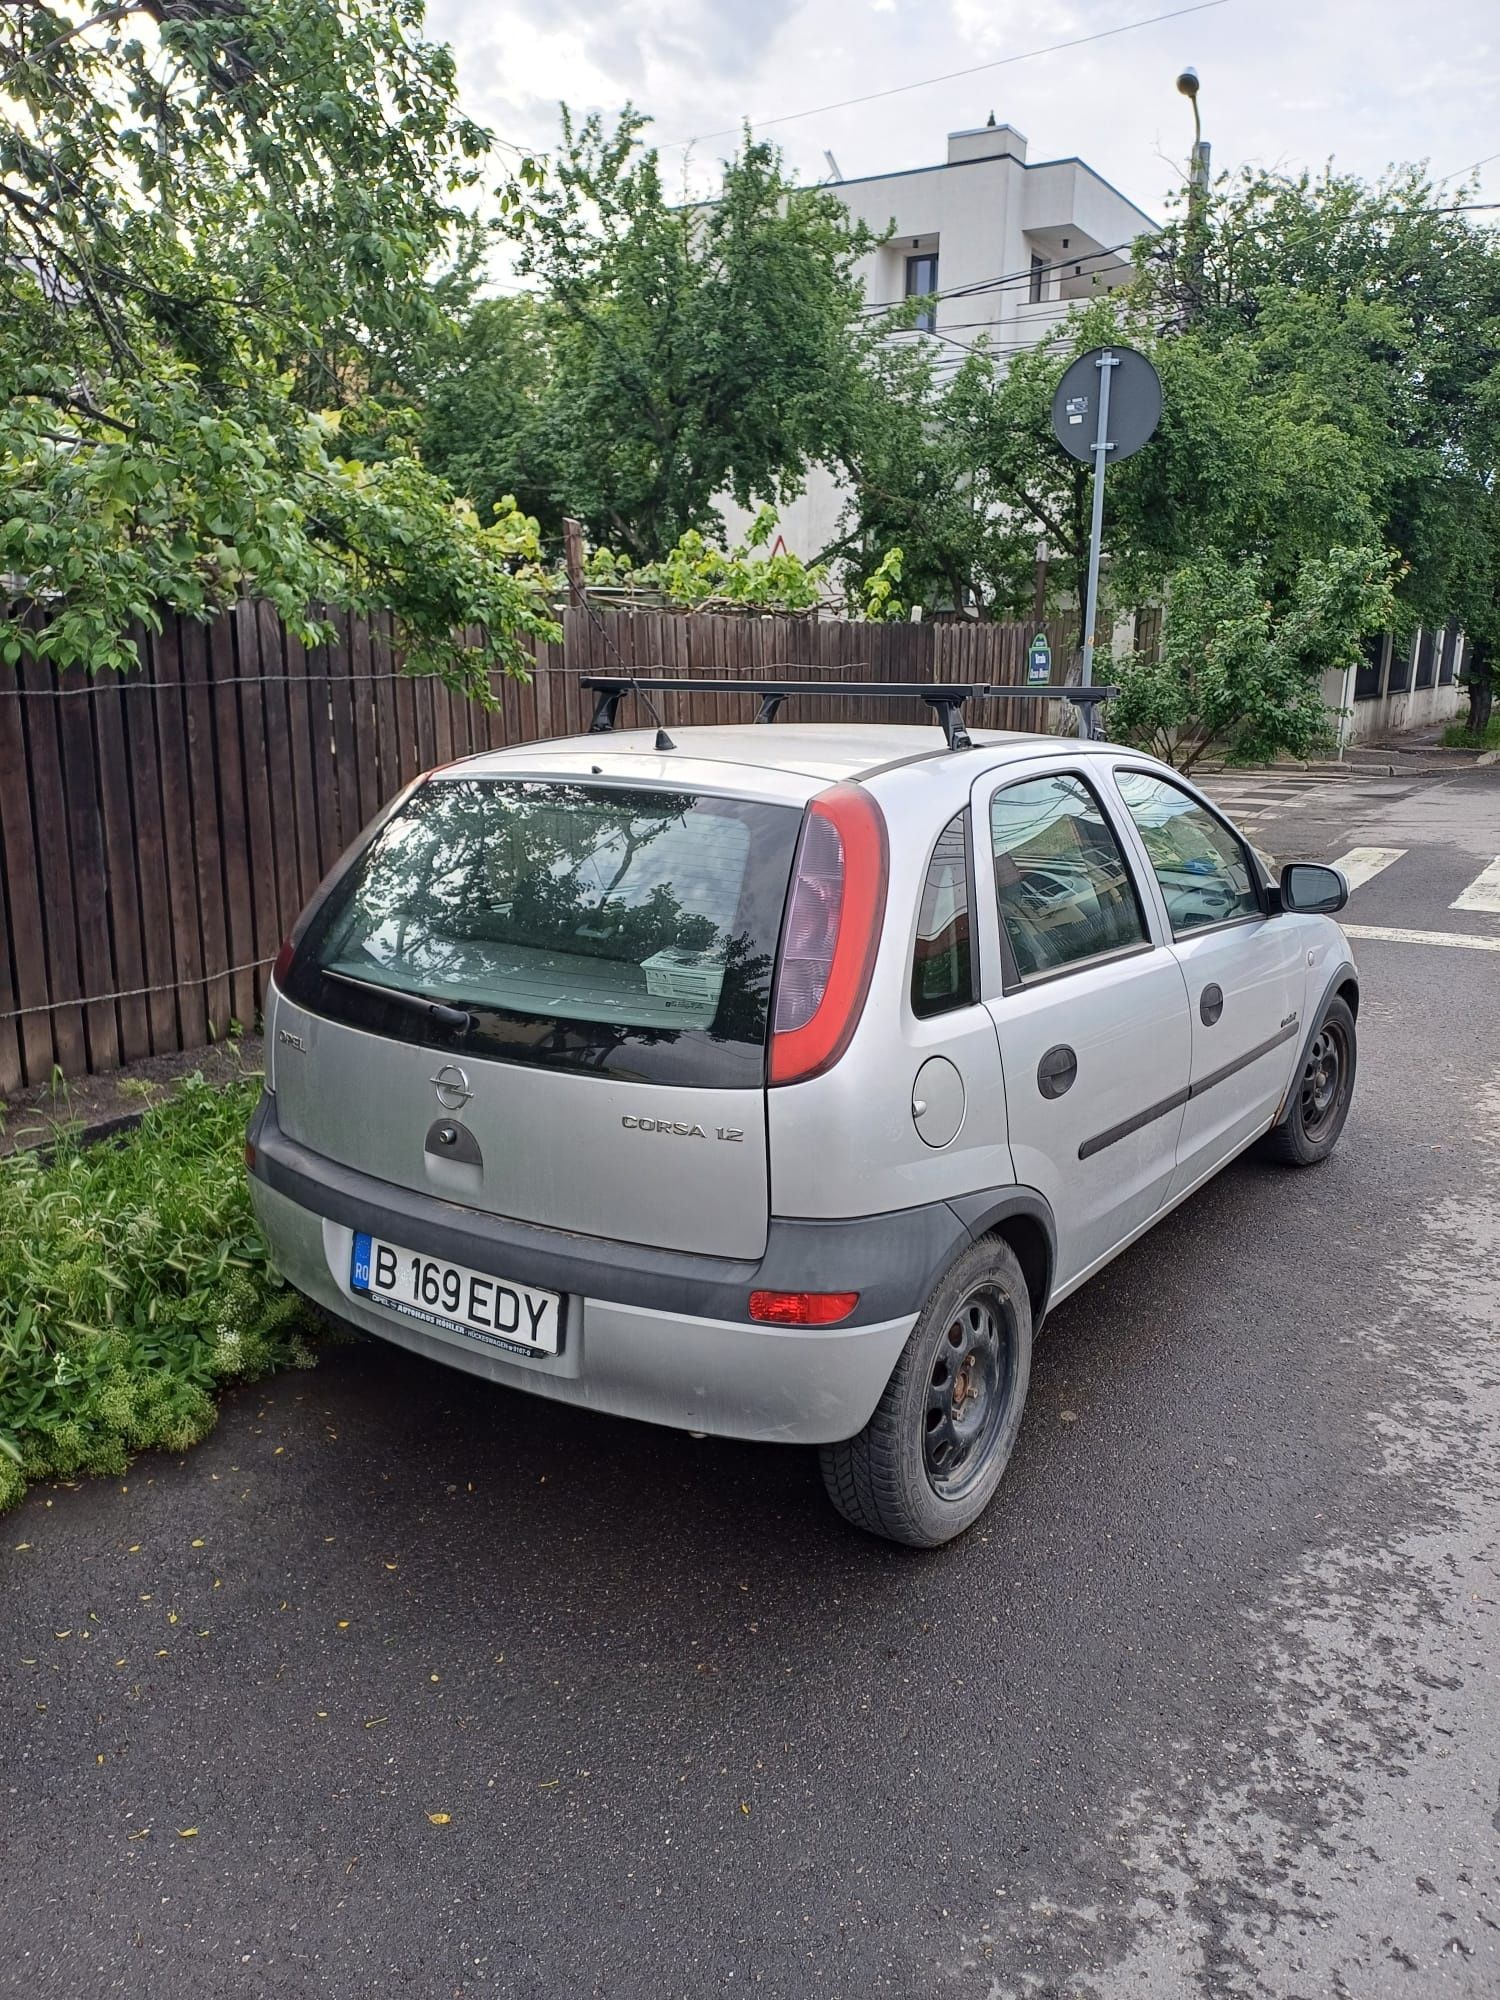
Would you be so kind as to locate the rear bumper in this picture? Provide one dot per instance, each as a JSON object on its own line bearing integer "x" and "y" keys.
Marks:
{"x": 651, "y": 1334}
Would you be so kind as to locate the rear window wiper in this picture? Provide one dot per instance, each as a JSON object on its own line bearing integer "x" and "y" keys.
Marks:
{"x": 435, "y": 1010}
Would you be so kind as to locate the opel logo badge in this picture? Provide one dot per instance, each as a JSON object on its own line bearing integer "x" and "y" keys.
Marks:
{"x": 452, "y": 1087}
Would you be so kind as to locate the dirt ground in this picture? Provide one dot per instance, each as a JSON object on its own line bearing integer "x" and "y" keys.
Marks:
{"x": 96, "y": 1106}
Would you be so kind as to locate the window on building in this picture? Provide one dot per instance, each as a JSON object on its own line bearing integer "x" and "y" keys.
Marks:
{"x": 922, "y": 283}
{"x": 1449, "y": 664}
{"x": 1367, "y": 675}
{"x": 1426, "y": 665}
{"x": 1038, "y": 277}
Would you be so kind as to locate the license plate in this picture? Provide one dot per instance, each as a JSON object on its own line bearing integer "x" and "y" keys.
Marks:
{"x": 455, "y": 1298}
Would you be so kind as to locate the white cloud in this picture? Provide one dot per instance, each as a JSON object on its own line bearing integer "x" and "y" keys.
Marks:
{"x": 1285, "y": 82}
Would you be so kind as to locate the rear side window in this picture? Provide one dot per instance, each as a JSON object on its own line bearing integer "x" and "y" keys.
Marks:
{"x": 942, "y": 966}
{"x": 1064, "y": 891}
{"x": 618, "y": 929}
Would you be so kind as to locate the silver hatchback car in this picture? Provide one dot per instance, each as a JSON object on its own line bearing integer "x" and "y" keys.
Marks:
{"x": 776, "y": 1081}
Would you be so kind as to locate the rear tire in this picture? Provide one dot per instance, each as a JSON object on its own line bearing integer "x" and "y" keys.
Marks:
{"x": 1321, "y": 1092}
{"x": 927, "y": 1463}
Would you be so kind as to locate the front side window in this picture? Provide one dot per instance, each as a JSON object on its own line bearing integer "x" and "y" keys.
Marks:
{"x": 941, "y": 973}
{"x": 1063, "y": 888}
{"x": 1203, "y": 869}
{"x": 921, "y": 283}
{"x": 606, "y": 928}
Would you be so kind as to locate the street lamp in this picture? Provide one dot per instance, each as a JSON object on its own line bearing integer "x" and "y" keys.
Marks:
{"x": 1197, "y": 214}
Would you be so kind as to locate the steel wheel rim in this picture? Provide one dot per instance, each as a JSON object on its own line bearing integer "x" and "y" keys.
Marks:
{"x": 970, "y": 1387}
{"x": 1323, "y": 1079}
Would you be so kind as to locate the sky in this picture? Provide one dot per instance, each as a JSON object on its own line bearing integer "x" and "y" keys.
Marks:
{"x": 1285, "y": 83}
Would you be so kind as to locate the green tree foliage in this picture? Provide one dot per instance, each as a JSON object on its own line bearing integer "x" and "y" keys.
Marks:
{"x": 1239, "y": 670}
{"x": 1330, "y": 359}
{"x": 693, "y": 349}
{"x": 1371, "y": 311}
{"x": 216, "y": 220}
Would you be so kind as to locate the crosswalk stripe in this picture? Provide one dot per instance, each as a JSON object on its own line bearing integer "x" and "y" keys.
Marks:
{"x": 1393, "y": 935}
{"x": 1483, "y": 893}
{"x": 1363, "y": 864}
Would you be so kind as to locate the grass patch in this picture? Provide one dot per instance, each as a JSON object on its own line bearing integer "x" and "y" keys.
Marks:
{"x": 133, "y": 1283}
{"x": 1457, "y": 737}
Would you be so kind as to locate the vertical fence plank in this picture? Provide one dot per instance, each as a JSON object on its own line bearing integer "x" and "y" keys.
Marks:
{"x": 199, "y": 705}
{"x": 55, "y": 869}
{"x": 27, "y": 956}
{"x": 265, "y": 900}
{"x": 280, "y": 785}
{"x": 307, "y": 727}
{"x": 387, "y": 747}
{"x": 343, "y": 704}
{"x": 138, "y": 698}
{"x": 183, "y": 889}
{"x": 83, "y": 834}
{"x": 116, "y": 789}
{"x": 234, "y": 823}
{"x": 366, "y": 746}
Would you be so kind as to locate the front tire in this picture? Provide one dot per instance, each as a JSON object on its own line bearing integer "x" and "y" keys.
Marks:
{"x": 1321, "y": 1092}
{"x": 927, "y": 1463}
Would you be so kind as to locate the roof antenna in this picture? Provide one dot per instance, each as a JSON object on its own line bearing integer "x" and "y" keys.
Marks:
{"x": 576, "y": 590}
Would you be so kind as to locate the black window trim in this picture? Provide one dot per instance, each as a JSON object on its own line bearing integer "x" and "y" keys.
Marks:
{"x": 1012, "y": 980}
{"x": 926, "y": 319}
{"x": 975, "y": 998}
{"x": 1252, "y": 860}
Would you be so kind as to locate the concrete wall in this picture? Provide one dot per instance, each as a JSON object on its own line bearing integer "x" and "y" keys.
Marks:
{"x": 1392, "y": 710}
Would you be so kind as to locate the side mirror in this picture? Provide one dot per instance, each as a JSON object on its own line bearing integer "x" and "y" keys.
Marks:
{"x": 1312, "y": 890}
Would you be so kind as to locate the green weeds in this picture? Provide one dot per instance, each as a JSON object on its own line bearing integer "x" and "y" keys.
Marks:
{"x": 1457, "y": 736}
{"x": 133, "y": 1283}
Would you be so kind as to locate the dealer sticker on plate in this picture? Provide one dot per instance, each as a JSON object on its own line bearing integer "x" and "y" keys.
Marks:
{"x": 455, "y": 1298}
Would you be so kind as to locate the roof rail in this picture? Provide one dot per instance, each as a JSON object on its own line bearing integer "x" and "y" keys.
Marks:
{"x": 944, "y": 698}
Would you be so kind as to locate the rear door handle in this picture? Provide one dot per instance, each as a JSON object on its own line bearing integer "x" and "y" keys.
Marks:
{"x": 1210, "y": 1005}
{"x": 1057, "y": 1071}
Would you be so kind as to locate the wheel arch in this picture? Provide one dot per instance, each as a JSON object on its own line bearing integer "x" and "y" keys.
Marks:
{"x": 1023, "y": 1219}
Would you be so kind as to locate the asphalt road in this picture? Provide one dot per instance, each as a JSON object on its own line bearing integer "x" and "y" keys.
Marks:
{"x": 401, "y": 1684}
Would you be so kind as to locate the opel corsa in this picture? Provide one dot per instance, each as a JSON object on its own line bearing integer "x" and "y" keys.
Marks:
{"x": 775, "y": 1082}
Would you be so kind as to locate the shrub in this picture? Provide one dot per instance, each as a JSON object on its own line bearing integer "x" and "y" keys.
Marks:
{"x": 133, "y": 1283}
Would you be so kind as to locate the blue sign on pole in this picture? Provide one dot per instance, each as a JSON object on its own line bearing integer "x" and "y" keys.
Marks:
{"x": 1039, "y": 662}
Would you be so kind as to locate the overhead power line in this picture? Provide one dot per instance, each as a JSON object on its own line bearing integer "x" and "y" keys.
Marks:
{"x": 949, "y": 76}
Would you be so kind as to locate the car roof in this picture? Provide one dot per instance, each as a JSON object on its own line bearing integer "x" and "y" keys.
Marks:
{"x": 781, "y": 759}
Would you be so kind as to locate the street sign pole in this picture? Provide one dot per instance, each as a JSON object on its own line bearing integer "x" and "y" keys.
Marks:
{"x": 1106, "y": 364}
{"x": 1121, "y": 391}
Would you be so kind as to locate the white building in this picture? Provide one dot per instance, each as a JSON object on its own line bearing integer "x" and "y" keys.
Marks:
{"x": 1007, "y": 244}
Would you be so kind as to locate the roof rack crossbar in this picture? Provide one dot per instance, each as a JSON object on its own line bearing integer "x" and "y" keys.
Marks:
{"x": 945, "y": 699}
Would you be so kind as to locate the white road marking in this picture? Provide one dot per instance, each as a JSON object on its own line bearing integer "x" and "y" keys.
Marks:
{"x": 1362, "y": 864}
{"x": 1483, "y": 893}
{"x": 1393, "y": 935}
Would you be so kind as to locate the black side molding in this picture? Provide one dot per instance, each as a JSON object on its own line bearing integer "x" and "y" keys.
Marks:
{"x": 1123, "y": 1130}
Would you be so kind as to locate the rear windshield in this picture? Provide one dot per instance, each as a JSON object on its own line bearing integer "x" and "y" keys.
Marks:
{"x": 625, "y": 930}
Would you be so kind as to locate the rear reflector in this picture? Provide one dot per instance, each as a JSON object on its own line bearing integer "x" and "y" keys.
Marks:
{"x": 832, "y": 931}
{"x": 802, "y": 1308}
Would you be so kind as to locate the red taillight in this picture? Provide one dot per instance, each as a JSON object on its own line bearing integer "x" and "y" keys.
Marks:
{"x": 802, "y": 1308}
{"x": 832, "y": 930}
{"x": 249, "y": 1156}
{"x": 283, "y": 963}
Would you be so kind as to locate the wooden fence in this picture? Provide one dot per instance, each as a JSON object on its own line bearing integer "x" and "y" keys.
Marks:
{"x": 160, "y": 830}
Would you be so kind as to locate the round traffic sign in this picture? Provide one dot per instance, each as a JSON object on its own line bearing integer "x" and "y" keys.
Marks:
{"x": 1134, "y": 403}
